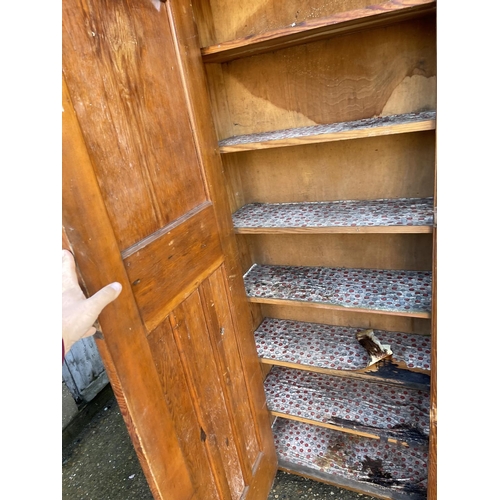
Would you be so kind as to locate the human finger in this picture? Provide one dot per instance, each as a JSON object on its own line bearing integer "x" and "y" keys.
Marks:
{"x": 97, "y": 302}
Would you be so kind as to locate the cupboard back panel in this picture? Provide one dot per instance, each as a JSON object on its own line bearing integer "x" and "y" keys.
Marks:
{"x": 348, "y": 318}
{"x": 362, "y": 169}
{"x": 345, "y": 78}
{"x": 411, "y": 252}
{"x": 233, "y": 20}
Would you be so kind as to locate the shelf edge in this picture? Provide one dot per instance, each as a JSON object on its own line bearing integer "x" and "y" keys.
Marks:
{"x": 317, "y": 29}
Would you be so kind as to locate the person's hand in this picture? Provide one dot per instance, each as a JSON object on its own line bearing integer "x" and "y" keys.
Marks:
{"x": 78, "y": 312}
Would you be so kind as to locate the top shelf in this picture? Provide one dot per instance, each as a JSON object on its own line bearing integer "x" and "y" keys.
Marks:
{"x": 357, "y": 129}
{"x": 313, "y": 30}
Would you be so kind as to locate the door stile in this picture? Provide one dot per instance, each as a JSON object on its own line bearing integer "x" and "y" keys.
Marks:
{"x": 125, "y": 350}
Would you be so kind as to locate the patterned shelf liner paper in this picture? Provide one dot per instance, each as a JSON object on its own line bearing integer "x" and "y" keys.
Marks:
{"x": 371, "y": 407}
{"x": 354, "y": 458}
{"x": 332, "y": 128}
{"x": 335, "y": 347}
{"x": 346, "y": 213}
{"x": 396, "y": 291}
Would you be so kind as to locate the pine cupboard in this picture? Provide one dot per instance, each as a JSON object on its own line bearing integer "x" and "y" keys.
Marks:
{"x": 260, "y": 176}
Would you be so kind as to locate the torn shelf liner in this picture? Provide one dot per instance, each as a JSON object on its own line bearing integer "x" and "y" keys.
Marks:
{"x": 400, "y": 413}
{"x": 352, "y": 457}
{"x": 335, "y": 347}
{"x": 371, "y": 289}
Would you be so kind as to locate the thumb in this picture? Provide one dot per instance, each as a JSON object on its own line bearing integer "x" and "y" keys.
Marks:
{"x": 102, "y": 298}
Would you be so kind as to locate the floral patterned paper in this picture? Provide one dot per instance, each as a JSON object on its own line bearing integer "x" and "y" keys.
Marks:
{"x": 334, "y": 347}
{"x": 348, "y": 213}
{"x": 365, "y": 123}
{"x": 349, "y": 402}
{"x": 352, "y": 457}
{"x": 371, "y": 289}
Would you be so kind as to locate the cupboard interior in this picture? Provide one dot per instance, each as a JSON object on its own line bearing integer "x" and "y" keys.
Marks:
{"x": 364, "y": 61}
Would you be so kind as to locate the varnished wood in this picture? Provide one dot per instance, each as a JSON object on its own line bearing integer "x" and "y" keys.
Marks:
{"x": 163, "y": 273}
{"x": 395, "y": 166}
{"x": 137, "y": 125}
{"x": 378, "y": 251}
{"x": 432, "y": 465}
{"x": 205, "y": 140}
{"x": 358, "y": 129}
{"x": 200, "y": 366}
{"x": 334, "y": 307}
{"x": 196, "y": 451}
{"x": 318, "y": 29}
{"x": 229, "y": 21}
{"x": 337, "y": 230}
{"x": 327, "y": 425}
{"x": 367, "y": 374}
{"x": 323, "y": 85}
{"x": 125, "y": 349}
{"x": 159, "y": 179}
{"x": 302, "y": 312}
{"x": 224, "y": 342}
{"x": 149, "y": 120}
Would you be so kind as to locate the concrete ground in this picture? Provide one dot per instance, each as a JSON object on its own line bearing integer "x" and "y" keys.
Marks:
{"x": 99, "y": 462}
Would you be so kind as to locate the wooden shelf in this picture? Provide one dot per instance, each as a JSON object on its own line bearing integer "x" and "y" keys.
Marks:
{"x": 404, "y": 215}
{"x": 358, "y": 407}
{"x": 341, "y": 131}
{"x": 396, "y": 292}
{"x": 334, "y": 350}
{"x": 370, "y": 466}
{"x": 318, "y": 29}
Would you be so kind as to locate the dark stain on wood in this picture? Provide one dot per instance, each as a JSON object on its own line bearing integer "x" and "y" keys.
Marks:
{"x": 388, "y": 370}
{"x": 374, "y": 469}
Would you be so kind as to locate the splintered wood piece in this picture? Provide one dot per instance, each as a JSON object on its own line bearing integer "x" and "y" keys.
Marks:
{"x": 375, "y": 349}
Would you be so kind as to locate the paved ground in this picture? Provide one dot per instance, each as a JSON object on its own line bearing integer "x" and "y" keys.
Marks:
{"x": 99, "y": 463}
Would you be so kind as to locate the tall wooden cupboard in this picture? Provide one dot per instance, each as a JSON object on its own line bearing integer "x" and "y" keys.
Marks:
{"x": 260, "y": 176}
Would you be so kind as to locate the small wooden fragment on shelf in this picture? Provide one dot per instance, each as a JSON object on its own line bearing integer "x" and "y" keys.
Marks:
{"x": 334, "y": 350}
{"x": 375, "y": 349}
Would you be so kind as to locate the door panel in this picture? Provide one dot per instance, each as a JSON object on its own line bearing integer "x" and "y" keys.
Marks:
{"x": 164, "y": 271}
{"x": 193, "y": 340}
{"x": 143, "y": 204}
{"x": 127, "y": 91}
{"x": 217, "y": 310}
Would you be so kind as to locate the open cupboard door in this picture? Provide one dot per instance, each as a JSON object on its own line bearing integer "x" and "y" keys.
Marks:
{"x": 144, "y": 204}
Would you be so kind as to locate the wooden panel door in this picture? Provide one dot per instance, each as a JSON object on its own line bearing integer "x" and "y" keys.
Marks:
{"x": 144, "y": 204}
